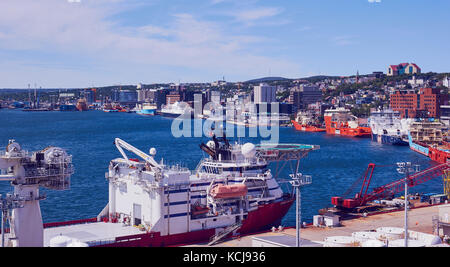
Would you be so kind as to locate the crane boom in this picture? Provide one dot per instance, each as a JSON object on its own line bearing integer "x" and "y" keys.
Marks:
{"x": 122, "y": 144}
{"x": 390, "y": 189}
{"x": 416, "y": 179}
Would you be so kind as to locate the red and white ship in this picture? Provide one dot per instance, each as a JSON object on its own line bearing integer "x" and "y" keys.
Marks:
{"x": 231, "y": 192}
{"x": 341, "y": 122}
{"x": 306, "y": 123}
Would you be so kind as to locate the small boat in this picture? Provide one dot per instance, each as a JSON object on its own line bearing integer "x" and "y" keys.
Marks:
{"x": 229, "y": 191}
{"x": 146, "y": 109}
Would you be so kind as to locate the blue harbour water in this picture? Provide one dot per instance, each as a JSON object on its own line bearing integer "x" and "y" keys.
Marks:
{"x": 89, "y": 137}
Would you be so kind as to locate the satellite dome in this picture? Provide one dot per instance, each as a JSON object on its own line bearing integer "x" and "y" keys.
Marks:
{"x": 248, "y": 150}
{"x": 211, "y": 144}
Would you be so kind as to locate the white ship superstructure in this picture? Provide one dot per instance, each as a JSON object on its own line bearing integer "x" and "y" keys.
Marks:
{"x": 177, "y": 109}
{"x": 232, "y": 190}
{"x": 389, "y": 128}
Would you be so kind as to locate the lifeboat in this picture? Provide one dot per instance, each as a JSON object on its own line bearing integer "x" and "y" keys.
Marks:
{"x": 199, "y": 210}
{"x": 229, "y": 191}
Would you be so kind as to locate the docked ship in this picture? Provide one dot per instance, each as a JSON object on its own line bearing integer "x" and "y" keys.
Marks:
{"x": 231, "y": 192}
{"x": 389, "y": 128}
{"x": 340, "y": 121}
{"x": 306, "y": 123}
{"x": 67, "y": 107}
{"x": 176, "y": 110}
{"x": 426, "y": 137}
{"x": 146, "y": 109}
{"x": 110, "y": 108}
{"x": 82, "y": 105}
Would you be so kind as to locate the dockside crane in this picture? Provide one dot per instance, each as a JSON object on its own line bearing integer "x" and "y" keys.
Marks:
{"x": 360, "y": 201}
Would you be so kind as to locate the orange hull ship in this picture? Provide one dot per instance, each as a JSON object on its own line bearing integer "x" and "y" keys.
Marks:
{"x": 307, "y": 128}
{"x": 341, "y": 122}
{"x": 82, "y": 105}
{"x": 440, "y": 154}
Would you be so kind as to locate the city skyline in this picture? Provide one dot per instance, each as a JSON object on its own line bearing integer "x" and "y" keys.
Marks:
{"x": 84, "y": 43}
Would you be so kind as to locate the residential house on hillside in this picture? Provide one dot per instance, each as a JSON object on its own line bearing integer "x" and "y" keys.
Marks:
{"x": 403, "y": 68}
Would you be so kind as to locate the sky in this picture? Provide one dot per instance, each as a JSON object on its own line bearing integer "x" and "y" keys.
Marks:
{"x": 87, "y": 43}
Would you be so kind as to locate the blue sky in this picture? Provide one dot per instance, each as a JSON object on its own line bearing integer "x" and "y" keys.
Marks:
{"x": 83, "y": 43}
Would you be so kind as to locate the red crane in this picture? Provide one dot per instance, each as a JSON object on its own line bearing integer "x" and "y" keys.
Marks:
{"x": 386, "y": 191}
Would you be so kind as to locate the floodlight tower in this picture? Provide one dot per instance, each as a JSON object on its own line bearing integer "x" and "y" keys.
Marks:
{"x": 406, "y": 168}
{"x": 299, "y": 180}
{"x": 50, "y": 168}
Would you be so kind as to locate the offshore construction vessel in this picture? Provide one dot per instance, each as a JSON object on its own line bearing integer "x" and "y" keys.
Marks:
{"x": 389, "y": 128}
{"x": 340, "y": 121}
{"x": 232, "y": 191}
{"x": 305, "y": 122}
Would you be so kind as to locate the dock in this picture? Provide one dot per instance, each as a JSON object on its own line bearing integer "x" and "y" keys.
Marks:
{"x": 420, "y": 220}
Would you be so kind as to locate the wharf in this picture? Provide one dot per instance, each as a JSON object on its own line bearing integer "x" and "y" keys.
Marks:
{"x": 420, "y": 220}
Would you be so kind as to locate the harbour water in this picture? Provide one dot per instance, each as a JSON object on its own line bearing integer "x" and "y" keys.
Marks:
{"x": 89, "y": 136}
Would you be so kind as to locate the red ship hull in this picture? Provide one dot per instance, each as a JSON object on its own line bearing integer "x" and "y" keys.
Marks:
{"x": 263, "y": 218}
{"x": 438, "y": 155}
{"x": 307, "y": 128}
{"x": 344, "y": 130}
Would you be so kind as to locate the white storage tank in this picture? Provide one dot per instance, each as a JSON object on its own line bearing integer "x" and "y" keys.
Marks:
{"x": 401, "y": 243}
{"x": 340, "y": 241}
{"x": 364, "y": 236}
{"x": 373, "y": 244}
{"x": 391, "y": 233}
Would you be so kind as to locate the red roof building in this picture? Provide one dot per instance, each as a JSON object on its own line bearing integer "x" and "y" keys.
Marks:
{"x": 403, "y": 68}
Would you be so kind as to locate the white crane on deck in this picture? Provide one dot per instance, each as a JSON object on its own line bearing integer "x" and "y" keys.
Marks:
{"x": 149, "y": 159}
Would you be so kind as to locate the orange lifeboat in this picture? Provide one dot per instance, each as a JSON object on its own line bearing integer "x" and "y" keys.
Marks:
{"x": 229, "y": 191}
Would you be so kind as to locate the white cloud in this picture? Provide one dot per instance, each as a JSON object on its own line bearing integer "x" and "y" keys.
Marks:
{"x": 87, "y": 30}
{"x": 374, "y": 1}
{"x": 344, "y": 40}
{"x": 257, "y": 13}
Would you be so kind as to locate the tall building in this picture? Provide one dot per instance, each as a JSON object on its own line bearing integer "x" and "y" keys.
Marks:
{"x": 172, "y": 99}
{"x": 304, "y": 96}
{"x": 264, "y": 93}
{"x": 160, "y": 97}
{"x": 403, "y": 68}
{"x": 426, "y": 103}
{"x": 128, "y": 97}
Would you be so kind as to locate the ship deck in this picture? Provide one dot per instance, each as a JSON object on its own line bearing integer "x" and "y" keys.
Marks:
{"x": 91, "y": 233}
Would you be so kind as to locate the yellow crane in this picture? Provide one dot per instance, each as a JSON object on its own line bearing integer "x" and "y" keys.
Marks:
{"x": 446, "y": 178}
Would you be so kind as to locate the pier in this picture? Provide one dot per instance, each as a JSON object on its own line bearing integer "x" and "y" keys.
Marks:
{"x": 420, "y": 220}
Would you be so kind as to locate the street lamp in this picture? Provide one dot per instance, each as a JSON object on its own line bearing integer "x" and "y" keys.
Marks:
{"x": 406, "y": 168}
{"x": 299, "y": 180}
